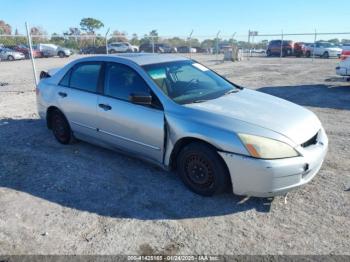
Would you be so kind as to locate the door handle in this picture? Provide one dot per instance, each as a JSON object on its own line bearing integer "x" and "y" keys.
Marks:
{"x": 62, "y": 94}
{"x": 105, "y": 107}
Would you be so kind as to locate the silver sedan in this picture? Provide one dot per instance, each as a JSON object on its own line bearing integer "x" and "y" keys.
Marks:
{"x": 9, "y": 54}
{"x": 178, "y": 114}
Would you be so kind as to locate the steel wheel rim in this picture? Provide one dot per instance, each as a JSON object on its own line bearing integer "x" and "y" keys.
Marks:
{"x": 199, "y": 171}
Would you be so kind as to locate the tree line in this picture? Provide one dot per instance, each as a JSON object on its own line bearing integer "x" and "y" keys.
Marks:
{"x": 85, "y": 35}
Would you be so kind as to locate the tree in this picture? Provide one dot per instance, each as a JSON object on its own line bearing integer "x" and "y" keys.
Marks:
{"x": 154, "y": 34}
{"x": 207, "y": 43}
{"x": 89, "y": 25}
{"x": 118, "y": 36}
{"x": 5, "y": 28}
{"x": 134, "y": 39}
{"x": 334, "y": 41}
{"x": 38, "y": 34}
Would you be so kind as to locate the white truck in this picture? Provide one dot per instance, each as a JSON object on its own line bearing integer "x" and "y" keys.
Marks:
{"x": 50, "y": 50}
{"x": 322, "y": 49}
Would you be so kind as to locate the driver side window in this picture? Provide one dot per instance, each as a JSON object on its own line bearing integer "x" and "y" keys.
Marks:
{"x": 121, "y": 81}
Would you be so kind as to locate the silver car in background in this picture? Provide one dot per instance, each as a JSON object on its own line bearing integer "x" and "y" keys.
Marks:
{"x": 180, "y": 115}
{"x": 10, "y": 55}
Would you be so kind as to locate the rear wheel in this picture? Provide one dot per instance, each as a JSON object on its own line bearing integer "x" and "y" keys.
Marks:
{"x": 202, "y": 170}
{"x": 268, "y": 53}
{"x": 308, "y": 54}
{"x": 10, "y": 58}
{"x": 60, "y": 128}
{"x": 325, "y": 55}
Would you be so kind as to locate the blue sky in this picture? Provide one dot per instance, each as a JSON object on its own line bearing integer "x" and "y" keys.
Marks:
{"x": 179, "y": 17}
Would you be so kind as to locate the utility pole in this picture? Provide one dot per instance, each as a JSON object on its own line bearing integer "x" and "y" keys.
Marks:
{"x": 107, "y": 41}
{"x": 31, "y": 54}
{"x": 189, "y": 40}
{"x": 217, "y": 45}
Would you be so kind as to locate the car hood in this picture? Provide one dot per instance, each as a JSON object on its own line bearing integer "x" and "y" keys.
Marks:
{"x": 270, "y": 112}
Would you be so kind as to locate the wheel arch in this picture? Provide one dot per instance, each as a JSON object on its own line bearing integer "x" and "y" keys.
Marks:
{"x": 181, "y": 143}
{"x": 49, "y": 113}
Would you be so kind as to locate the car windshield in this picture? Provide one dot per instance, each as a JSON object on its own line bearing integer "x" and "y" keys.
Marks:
{"x": 188, "y": 82}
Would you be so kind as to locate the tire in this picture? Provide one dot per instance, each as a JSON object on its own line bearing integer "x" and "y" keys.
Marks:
{"x": 10, "y": 58}
{"x": 61, "y": 54}
{"x": 112, "y": 51}
{"x": 308, "y": 54}
{"x": 268, "y": 53}
{"x": 60, "y": 128}
{"x": 325, "y": 55}
{"x": 202, "y": 170}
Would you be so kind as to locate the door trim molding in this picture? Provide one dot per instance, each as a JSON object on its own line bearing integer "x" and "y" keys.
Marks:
{"x": 130, "y": 140}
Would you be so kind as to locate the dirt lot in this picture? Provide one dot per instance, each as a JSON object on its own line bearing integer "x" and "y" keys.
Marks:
{"x": 82, "y": 199}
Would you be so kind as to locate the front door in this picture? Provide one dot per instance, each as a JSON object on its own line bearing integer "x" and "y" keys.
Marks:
{"x": 135, "y": 128}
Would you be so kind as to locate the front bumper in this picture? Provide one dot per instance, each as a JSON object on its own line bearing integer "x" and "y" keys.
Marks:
{"x": 266, "y": 178}
{"x": 342, "y": 71}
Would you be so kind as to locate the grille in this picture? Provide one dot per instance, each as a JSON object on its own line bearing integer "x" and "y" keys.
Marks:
{"x": 311, "y": 141}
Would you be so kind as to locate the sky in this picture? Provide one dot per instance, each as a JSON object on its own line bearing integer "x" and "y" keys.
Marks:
{"x": 180, "y": 17}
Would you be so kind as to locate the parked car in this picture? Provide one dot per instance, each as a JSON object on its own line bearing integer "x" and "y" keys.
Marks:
{"x": 168, "y": 48}
{"x": 343, "y": 68}
{"x": 148, "y": 48}
{"x": 9, "y": 54}
{"x": 345, "y": 51}
{"x": 50, "y": 50}
{"x": 93, "y": 50}
{"x": 299, "y": 49}
{"x": 274, "y": 48}
{"x": 201, "y": 50}
{"x": 322, "y": 49}
{"x": 119, "y": 47}
{"x": 186, "y": 49}
{"x": 25, "y": 50}
{"x": 178, "y": 114}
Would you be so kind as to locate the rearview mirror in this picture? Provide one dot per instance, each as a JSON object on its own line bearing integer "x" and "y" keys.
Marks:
{"x": 142, "y": 98}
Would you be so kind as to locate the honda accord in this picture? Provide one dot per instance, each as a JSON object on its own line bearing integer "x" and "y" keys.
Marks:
{"x": 180, "y": 115}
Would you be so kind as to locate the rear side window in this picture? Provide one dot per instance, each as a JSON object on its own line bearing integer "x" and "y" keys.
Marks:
{"x": 121, "y": 81}
{"x": 65, "y": 79}
{"x": 85, "y": 77}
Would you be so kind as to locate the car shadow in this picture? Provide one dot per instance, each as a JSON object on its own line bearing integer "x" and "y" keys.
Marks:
{"x": 92, "y": 179}
{"x": 322, "y": 95}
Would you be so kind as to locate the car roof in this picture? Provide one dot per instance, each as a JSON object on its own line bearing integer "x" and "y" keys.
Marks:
{"x": 144, "y": 58}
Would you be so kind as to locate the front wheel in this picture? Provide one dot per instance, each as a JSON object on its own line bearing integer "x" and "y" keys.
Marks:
{"x": 325, "y": 55}
{"x": 10, "y": 58}
{"x": 308, "y": 54}
{"x": 61, "y": 54}
{"x": 202, "y": 170}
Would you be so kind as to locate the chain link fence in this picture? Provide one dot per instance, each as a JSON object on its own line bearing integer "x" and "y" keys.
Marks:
{"x": 253, "y": 44}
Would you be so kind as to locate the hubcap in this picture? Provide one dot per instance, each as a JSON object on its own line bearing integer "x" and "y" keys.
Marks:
{"x": 199, "y": 171}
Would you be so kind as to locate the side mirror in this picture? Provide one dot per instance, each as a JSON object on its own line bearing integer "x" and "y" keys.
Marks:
{"x": 142, "y": 98}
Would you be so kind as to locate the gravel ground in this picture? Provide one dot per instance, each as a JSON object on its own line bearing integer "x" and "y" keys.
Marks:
{"x": 82, "y": 199}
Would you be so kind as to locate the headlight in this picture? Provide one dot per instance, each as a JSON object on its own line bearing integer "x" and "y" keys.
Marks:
{"x": 262, "y": 147}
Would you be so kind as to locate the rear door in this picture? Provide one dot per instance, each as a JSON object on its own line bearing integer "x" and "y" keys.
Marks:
{"x": 77, "y": 97}
{"x": 135, "y": 128}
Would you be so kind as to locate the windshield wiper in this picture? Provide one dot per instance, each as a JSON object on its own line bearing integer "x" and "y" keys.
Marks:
{"x": 199, "y": 101}
{"x": 231, "y": 91}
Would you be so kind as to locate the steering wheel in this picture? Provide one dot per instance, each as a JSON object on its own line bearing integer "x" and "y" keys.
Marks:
{"x": 191, "y": 82}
